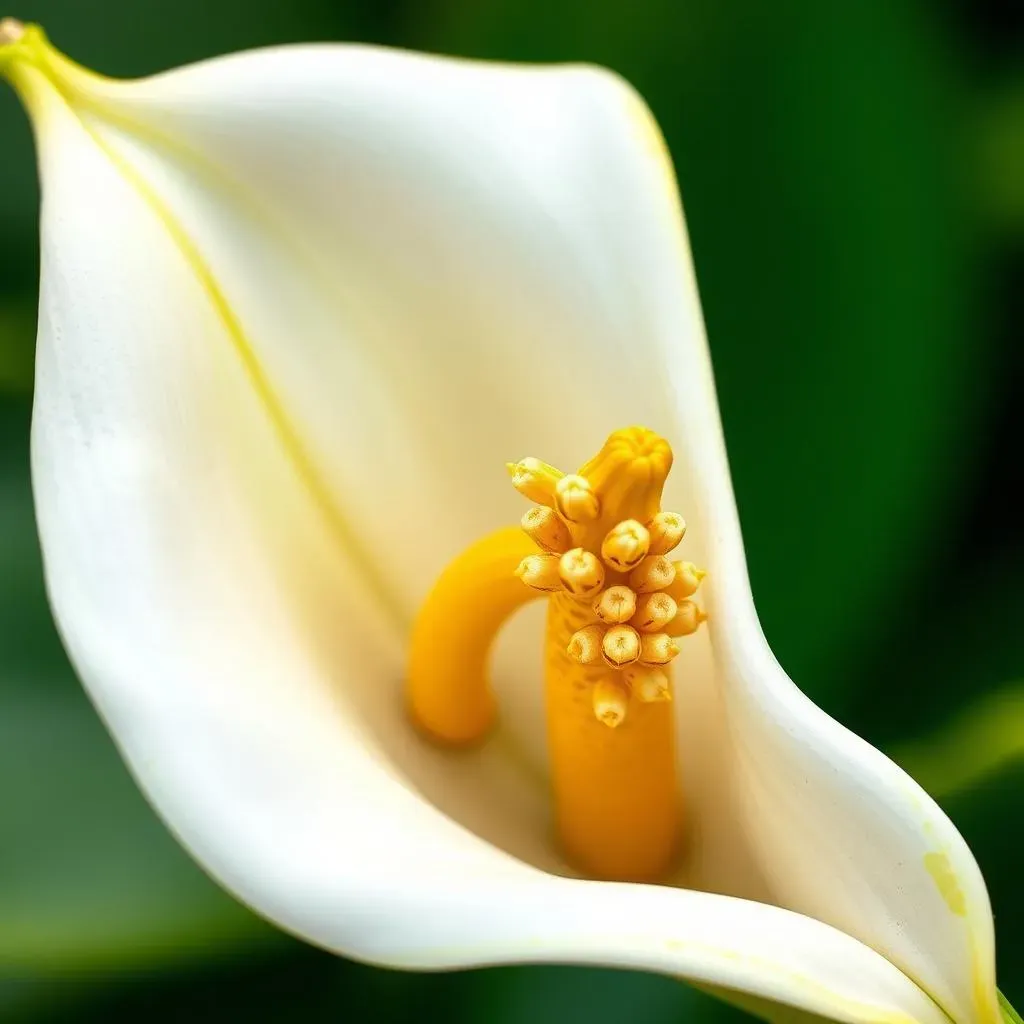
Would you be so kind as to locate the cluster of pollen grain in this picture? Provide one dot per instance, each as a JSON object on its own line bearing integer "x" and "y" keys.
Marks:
{"x": 633, "y": 599}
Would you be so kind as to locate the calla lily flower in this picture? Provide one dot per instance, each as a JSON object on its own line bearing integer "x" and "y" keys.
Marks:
{"x": 298, "y": 307}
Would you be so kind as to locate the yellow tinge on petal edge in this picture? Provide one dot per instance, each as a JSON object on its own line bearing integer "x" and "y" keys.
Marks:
{"x": 17, "y": 40}
{"x": 596, "y": 544}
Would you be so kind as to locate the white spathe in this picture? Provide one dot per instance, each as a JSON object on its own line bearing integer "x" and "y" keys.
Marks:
{"x": 298, "y": 309}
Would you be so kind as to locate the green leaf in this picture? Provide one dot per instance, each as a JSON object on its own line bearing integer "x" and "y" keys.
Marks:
{"x": 1010, "y": 1015}
{"x": 1000, "y": 186}
{"x": 16, "y": 995}
{"x": 985, "y": 738}
{"x": 88, "y": 875}
{"x": 818, "y": 149}
{"x": 965, "y": 649}
{"x": 17, "y": 347}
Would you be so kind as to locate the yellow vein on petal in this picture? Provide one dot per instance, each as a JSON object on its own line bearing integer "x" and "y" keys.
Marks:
{"x": 104, "y": 105}
{"x": 290, "y": 438}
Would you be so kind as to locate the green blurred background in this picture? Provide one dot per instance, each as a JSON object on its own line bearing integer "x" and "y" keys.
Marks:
{"x": 853, "y": 174}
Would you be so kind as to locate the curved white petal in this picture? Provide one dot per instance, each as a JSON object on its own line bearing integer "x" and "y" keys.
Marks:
{"x": 469, "y": 262}
{"x": 298, "y": 307}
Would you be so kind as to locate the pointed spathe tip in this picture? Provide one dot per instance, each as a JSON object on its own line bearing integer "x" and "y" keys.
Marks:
{"x": 11, "y": 31}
